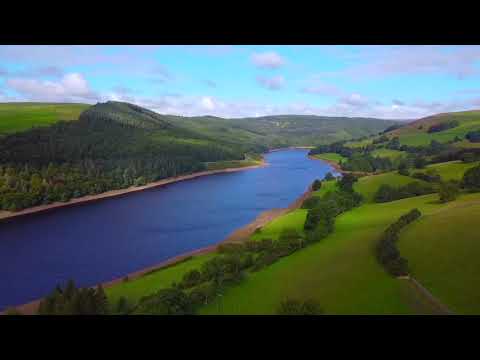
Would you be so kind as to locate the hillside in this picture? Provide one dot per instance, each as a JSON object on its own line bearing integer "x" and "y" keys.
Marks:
{"x": 112, "y": 146}
{"x": 287, "y": 130}
{"x": 340, "y": 272}
{"x": 16, "y": 117}
{"x": 444, "y": 128}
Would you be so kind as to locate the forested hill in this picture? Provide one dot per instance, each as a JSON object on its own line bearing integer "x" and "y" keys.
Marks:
{"x": 115, "y": 145}
{"x": 111, "y": 146}
{"x": 286, "y": 130}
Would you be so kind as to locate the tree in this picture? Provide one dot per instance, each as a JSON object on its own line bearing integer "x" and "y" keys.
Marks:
{"x": 317, "y": 184}
{"x": 347, "y": 181}
{"x": 420, "y": 162}
{"x": 329, "y": 176}
{"x": 471, "y": 179}
{"x": 448, "y": 191}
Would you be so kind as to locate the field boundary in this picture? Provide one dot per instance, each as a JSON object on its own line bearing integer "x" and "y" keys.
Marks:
{"x": 439, "y": 307}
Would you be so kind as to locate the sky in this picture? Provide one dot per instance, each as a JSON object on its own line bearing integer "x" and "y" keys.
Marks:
{"x": 391, "y": 82}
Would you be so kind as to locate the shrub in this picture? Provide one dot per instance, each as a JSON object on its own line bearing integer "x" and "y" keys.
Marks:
{"x": 473, "y": 136}
{"x": 165, "y": 302}
{"x": 347, "y": 181}
{"x": 443, "y": 126}
{"x": 471, "y": 179}
{"x": 317, "y": 184}
{"x": 329, "y": 176}
{"x": 448, "y": 191}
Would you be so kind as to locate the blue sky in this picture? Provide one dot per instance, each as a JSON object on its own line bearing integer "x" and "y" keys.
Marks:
{"x": 401, "y": 82}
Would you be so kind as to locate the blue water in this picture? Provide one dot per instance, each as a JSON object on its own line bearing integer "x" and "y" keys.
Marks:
{"x": 100, "y": 241}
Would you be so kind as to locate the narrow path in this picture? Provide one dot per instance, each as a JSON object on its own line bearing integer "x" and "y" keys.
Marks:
{"x": 437, "y": 306}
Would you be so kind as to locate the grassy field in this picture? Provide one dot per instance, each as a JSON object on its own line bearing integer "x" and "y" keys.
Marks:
{"x": 388, "y": 153}
{"x": 358, "y": 144}
{"x": 340, "y": 272}
{"x": 452, "y": 170}
{"x": 416, "y": 133}
{"x": 133, "y": 290}
{"x": 368, "y": 185}
{"x": 15, "y": 117}
{"x": 334, "y": 157}
{"x": 443, "y": 249}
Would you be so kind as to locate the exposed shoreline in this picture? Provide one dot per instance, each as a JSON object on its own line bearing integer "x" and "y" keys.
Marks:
{"x": 237, "y": 235}
{"x": 114, "y": 193}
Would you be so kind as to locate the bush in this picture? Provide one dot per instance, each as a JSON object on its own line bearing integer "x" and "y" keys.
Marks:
{"x": 387, "y": 193}
{"x": 165, "y": 302}
{"x": 430, "y": 176}
{"x": 420, "y": 162}
{"x": 329, "y": 176}
{"x": 296, "y": 307}
{"x": 347, "y": 181}
{"x": 448, "y": 191}
{"x": 473, "y": 136}
{"x": 471, "y": 179}
{"x": 317, "y": 184}
{"x": 443, "y": 126}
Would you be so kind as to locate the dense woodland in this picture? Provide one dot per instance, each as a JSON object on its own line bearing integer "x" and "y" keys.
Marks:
{"x": 111, "y": 146}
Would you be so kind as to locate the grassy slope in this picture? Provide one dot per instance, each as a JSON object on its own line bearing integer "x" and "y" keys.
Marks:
{"x": 341, "y": 271}
{"x": 388, "y": 153}
{"x": 330, "y": 157}
{"x": 443, "y": 249}
{"x": 15, "y": 117}
{"x": 452, "y": 170}
{"x": 133, "y": 290}
{"x": 368, "y": 185}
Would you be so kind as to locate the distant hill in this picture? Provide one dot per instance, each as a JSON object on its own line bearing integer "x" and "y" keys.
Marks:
{"x": 287, "y": 130}
{"x": 21, "y": 116}
{"x": 273, "y": 131}
{"x": 445, "y": 128}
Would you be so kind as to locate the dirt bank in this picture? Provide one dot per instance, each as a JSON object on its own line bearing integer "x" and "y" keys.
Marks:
{"x": 238, "y": 235}
{"x": 113, "y": 193}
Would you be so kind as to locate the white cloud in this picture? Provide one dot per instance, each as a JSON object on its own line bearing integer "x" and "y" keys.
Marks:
{"x": 269, "y": 60}
{"x": 207, "y": 103}
{"x": 71, "y": 87}
{"x": 271, "y": 83}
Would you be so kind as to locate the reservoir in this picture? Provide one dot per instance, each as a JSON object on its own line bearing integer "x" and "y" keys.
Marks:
{"x": 100, "y": 241}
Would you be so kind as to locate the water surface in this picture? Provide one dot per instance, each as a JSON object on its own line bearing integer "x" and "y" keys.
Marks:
{"x": 104, "y": 240}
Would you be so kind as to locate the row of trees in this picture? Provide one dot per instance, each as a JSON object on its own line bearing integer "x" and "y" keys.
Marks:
{"x": 386, "y": 250}
{"x": 387, "y": 193}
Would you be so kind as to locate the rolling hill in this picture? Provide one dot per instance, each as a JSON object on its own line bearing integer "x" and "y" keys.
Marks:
{"x": 419, "y": 132}
{"x": 16, "y": 117}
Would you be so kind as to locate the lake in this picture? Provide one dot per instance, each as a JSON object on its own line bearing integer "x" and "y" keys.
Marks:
{"x": 100, "y": 241}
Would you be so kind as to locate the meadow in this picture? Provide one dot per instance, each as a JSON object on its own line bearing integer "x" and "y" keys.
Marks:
{"x": 16, "y": 117}
{"x": 443, "y": 249}
{"x": 334, "y": 157}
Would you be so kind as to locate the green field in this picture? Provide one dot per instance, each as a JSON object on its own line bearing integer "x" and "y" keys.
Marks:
{"x": 340, "y": 272}
{"x": 443, "y": 249}
{"x": 388, "y": 153}
{"x": 334, "y": 157}
{"x": 358, "y": 144}
{"x": 15, "y": 117}
{"x": 133, "y": 290}
{"x": 368, "y": 185}
{"x": 452, "y": 170}
{"x": 414, "y": 136}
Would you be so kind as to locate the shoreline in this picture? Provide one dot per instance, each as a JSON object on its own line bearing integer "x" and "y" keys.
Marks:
{"x": 238, "y": 235}
{"x": 4, "y": 215}
{"x": 331, "y": 163}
